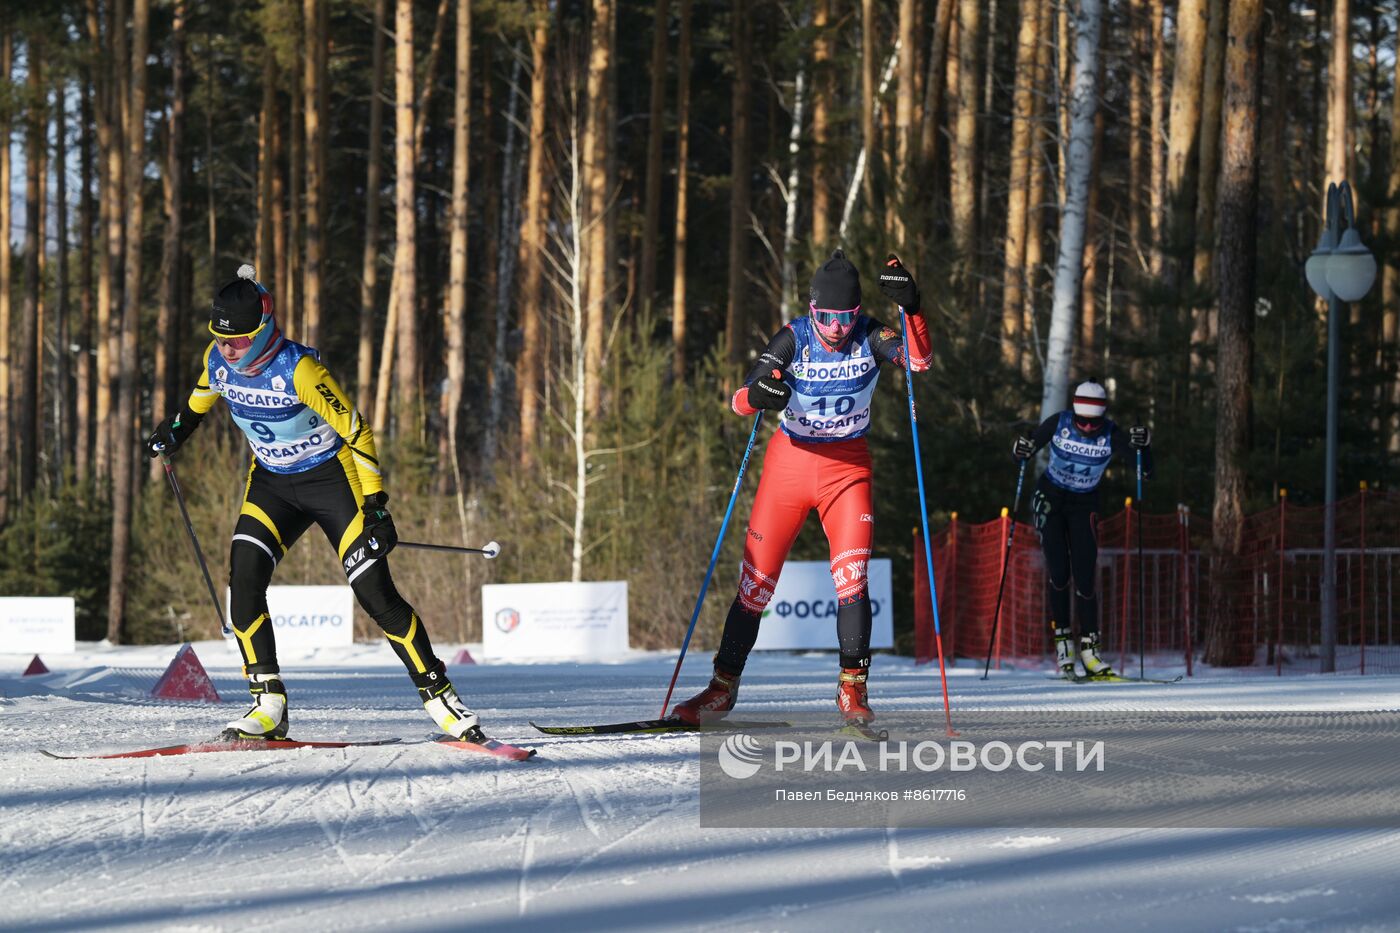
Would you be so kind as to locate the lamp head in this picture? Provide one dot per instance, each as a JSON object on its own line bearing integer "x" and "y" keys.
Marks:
{"x": 1351, "y": 269}
{"x": 1316, "y": 267}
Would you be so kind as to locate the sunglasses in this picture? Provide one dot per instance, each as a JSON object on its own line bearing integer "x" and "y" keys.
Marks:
{"x": 235, "y": 343}
{"x": 826, "y": 318}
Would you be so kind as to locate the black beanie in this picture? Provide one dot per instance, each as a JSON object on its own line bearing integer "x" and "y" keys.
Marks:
{"x": 237, "y": 310}
{"x": 836, "y": 284}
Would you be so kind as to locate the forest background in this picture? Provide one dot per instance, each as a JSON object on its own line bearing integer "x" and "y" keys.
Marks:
{"x": 540, "y": 241}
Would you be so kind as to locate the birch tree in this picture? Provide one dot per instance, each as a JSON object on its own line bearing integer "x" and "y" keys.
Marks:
{"x": 1069, "y": 263}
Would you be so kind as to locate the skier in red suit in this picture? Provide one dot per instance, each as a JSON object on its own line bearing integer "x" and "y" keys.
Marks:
{"x": 820, "y": 372}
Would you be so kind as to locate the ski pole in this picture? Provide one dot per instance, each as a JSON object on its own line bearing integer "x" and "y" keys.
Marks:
{"x": 923, "y": 515}
{"x": 714, "y": 556}
{"x": 1005, "y": 564}
{"x": 489, "y": 551}
{"x": 1142, "y": 599}
{"x": 189, "y": 526}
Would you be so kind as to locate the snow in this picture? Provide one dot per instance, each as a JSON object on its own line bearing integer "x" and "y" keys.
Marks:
{"x": 596, "y": 833}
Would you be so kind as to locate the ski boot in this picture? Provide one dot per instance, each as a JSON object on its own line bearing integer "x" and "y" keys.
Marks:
{"x": 452, "y": 715}
{"x": 1095, "y": 667}
{"x": 268, "y": 717}
{"x": 717, "y": 698}
{"x": 1064, "y": 653}
{"x": 851, "y": 697}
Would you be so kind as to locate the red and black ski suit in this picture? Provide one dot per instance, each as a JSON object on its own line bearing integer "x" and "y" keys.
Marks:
{"x": 817, "y": 460}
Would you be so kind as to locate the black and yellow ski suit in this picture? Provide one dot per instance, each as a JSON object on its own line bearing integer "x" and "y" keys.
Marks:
{"x": 314, "y": 461}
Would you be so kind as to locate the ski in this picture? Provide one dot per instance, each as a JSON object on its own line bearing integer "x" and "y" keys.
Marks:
{"x": 1116, "y": 679}
{"x": 657, "y": 726}
{"x": 863, "y": 730}
{"x": 220, "y": 745}
{"x": 488, "y": 747}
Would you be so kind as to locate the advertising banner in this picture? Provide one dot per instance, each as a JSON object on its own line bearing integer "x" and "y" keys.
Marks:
{"x": 554, "y": 620}
{"x": 37, "y": 625}
{"x": 310, "y": 616}
{"x": 802, "y": 613}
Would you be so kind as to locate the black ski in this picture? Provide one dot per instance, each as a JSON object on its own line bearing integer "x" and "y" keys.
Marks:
{"x": 657, "y": 726}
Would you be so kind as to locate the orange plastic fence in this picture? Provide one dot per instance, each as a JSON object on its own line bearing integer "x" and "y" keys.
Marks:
{"x": 1263, "y": 607}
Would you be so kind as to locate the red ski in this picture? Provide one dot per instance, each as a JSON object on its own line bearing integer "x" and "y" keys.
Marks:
{"x": 489, "y": 747}
{"x": 219, "y": 745}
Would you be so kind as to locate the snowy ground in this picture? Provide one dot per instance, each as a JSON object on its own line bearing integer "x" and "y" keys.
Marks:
{"x": 597, "y": 833}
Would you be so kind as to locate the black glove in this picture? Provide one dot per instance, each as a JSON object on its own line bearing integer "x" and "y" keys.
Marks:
{"x": 898, "y": 285}
{"x": 171, "y": 433}
{"x": 1139, "y": 436}
{"x": 380, "y": 535}
{"x": 770, "y": 391}
{"x": 1023, "y": 449}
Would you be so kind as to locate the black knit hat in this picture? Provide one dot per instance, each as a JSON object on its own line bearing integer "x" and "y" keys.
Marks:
{"x": 237, "y": 310}
{"x": 836, "y": 284}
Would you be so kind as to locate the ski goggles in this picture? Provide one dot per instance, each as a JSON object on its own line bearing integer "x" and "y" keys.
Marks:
{"x": 825, "y": 318}
{"x": 237, "y": 343}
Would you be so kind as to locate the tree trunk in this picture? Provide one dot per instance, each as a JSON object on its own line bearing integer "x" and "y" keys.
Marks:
{"x": 407, "y": 404}
{"x": 964, "y": 156}
{"x": 1208, "y": 177}
{"x": 598, "y": 252}
{"x": 904, "y": 122}
{"x": 736, "y": 318}
{"x": 1157, "y": 211}
{"x": 678, "y": 277}
{"x": 113, "y": 197}
{"x": 267, "y": 167}
{"x": 291, "y": 311}
{"x": 533, "y": 243}
{"x": 26, "y": 356}
{"x": 1139, "y": 44}
{"x": 651, "y": 208}
{"x": 82, "y": 451}
{"x": 1069, "y": 264}
{"x": 314, "y": 61}
{"x": 507, "y": 244}
{"x": 282, "y": 286}
{"x": 64, "y": 421}
{"x": 124, "y": 437}
{"x": 934, "y": 85}
{"x": 1022, "y": 115}
{"x": 7, "y": 54}
{"x": 1338, "y": 159}
{"x": 162, "y": 397}
{"x": 369, "y": 259}
{"x": 1042, "y": 141}
{"x": 1086, "y": 356}
{"x": 1235, "y": 273}
{"x": 1183, "y": 129}
{"x": 456, "y": 362}
{"x": 821, "y": 134}
{"x": 1390, "y": 273}
{"x": 868, "y": 79}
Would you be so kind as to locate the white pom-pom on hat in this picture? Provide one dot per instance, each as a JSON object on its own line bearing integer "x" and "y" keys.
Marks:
{"x": 246, "y": 271}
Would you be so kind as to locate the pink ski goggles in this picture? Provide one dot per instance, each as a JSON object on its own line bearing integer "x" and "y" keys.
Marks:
{"x": 833, "y": 320}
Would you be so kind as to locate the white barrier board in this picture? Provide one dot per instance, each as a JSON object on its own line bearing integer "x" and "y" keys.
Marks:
{"x": 802, "y": 613}
{"x": 554, "y": 620}
{"x": 38, "y": 625}
{"x": 309, "y": 616}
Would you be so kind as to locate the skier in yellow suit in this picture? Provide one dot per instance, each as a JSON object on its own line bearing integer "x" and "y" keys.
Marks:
{"x": 314, "y": 461}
